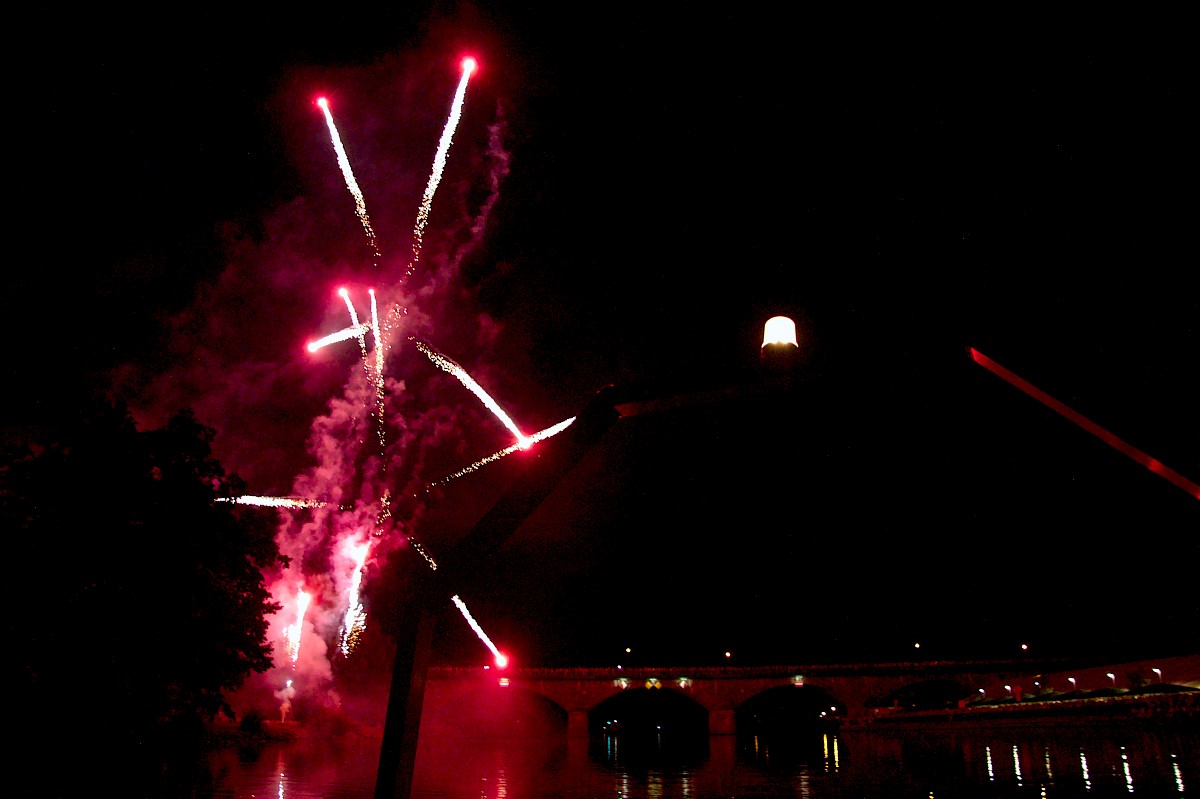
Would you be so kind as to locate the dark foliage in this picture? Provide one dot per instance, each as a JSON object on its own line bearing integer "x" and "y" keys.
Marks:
{"x": 140, "y": 597}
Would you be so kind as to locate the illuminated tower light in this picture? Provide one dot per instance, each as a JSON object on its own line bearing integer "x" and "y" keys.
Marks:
{"x": 780, "y": 346}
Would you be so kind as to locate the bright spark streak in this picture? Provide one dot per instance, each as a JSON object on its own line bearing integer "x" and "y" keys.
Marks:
{"x": 439, "y": 162}
{"x": 360, "y": 205}
{"x": 355, "y": 620}
{"x": 354, "y": 331}
{"x": 379, "y": 428}
{"x": 378, "y": 340}
{"x": 1087, "y": 424}
{"x": 292, "y": 633}
{"x": 462, "y": 608}
{"x": 453, "y": 368}
{"x": 424, "y": 553}
{"x": 354, "y": 323}
{"x": 533, "y": 439}
{"x": 274, "y": 502}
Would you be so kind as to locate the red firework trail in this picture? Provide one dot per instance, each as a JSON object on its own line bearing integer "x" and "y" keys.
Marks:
{"x": 1087, "y": 424}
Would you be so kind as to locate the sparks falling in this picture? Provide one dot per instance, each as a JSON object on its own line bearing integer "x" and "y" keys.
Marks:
{"x": 355, "y": 619}
{"x": 360, "y": 204}
{"x": 439, "y": 162}
{"x": 294, "y": 631}
{"x": 354, "y": 323}
{"x": 495, "y": 456}
{"x": 501, "y": 660}
{"x": 354, "y": 331}
{"x": 274, "y": 502}
{"x": 446, "y": 364}
{"x": 352, "y": 550}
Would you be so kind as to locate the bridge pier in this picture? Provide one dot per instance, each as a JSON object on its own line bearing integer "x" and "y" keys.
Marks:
{"x": 577, "y": 724}
{"x": 722, "y": 722}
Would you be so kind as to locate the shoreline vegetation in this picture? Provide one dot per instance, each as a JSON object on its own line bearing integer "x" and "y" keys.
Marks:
{"x": 1156, "y": 704}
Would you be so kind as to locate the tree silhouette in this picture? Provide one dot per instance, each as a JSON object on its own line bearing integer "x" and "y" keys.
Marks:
{"x": 139, "y": 597}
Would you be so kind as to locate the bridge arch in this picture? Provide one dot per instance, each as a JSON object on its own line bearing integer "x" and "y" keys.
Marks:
{"x": 731, "y": 696}
{"x": 649, "y": 712}
{"x": 788, "y": 708}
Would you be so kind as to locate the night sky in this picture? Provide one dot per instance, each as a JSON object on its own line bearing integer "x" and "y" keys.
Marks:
{"x": 629, "y": 195}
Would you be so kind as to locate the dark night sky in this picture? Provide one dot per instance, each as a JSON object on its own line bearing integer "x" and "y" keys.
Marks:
{"x": 903, "y": 187}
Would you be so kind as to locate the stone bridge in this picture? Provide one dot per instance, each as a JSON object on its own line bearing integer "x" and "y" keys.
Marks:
{"x": 579, "y": 694}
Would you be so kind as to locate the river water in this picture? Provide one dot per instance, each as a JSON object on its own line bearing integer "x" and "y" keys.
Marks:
{"x": 1097, "y": 760}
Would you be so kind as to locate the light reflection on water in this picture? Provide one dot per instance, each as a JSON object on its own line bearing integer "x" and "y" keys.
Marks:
{"x": 1043, "y": 762}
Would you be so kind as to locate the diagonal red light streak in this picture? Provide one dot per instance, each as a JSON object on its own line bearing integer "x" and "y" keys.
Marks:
{"x": 1087, "y": 424}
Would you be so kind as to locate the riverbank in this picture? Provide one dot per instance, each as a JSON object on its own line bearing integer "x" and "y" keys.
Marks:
{"x": 1158, "y": 707}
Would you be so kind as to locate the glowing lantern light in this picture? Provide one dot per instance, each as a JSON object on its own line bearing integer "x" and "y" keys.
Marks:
{"x": 779, "y": 330}
{"x": 779, "y": 347}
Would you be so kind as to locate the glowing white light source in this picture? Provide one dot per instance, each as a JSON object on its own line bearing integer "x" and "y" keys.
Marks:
{"x": 779, "y": 330}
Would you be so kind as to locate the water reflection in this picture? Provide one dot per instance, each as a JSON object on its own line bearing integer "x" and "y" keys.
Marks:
{"x": 1094, "y": 761}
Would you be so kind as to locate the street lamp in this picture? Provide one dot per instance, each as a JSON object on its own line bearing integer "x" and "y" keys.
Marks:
{"x": 1072, "y": 681}
{"x": 1113, "y": 677}
{"x": 1159, "y": 673}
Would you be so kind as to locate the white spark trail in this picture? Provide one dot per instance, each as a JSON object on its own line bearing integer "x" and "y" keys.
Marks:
{"x": 453, "y": 368}
{"x": 462, "y": 608}
{"x": 355, "y": 619}
{"x": 274, "y": 502}
{"x": 495, "y": 456}
{"x": 378, "y": 344}
{"x": 361, "y": 328}
{"x": 293, "y": 632}
{"x": 354, "y": 331}
{"x": 360, "y": 204}
{"x": 439, "y": 162}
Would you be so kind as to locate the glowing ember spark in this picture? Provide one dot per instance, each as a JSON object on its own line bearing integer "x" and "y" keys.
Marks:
{"x": 274, "y": 502}
{"x": 292, "y": 632}
{"x": 453, "y": 368}
{"x": 355, "y": 620}
{"x": 533, "y": 439}
{"x": 439, "y": 162}
{"x": 501, "y": 660}
{"x": 360, "y": 205}
{"x": 1087, "y": 424}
